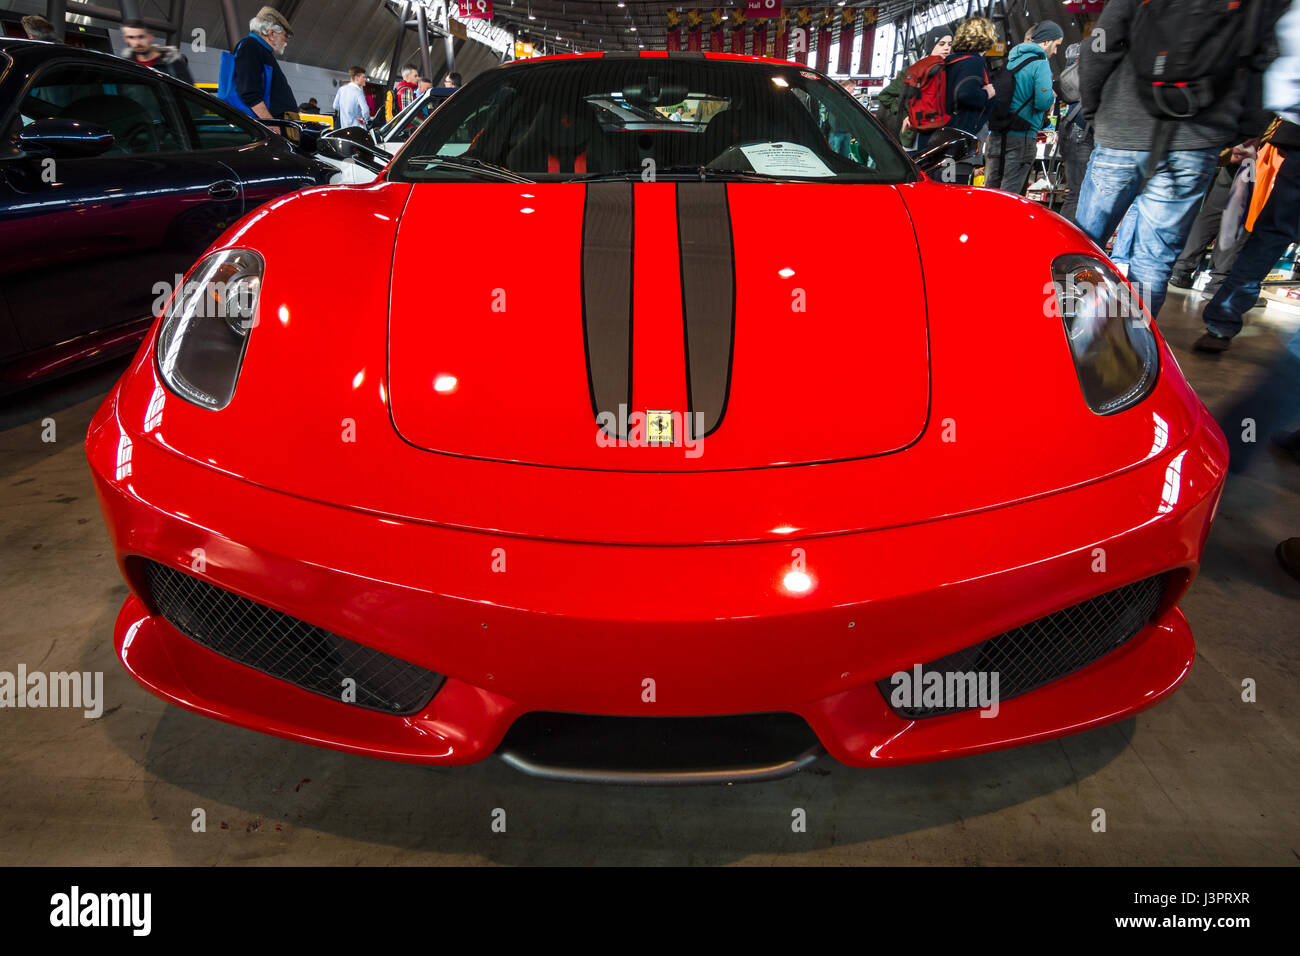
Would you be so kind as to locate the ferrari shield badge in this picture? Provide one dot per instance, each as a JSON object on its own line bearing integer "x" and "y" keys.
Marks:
{"x": 659, "y": 427}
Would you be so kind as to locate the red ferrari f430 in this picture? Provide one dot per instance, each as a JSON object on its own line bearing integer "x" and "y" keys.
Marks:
{"x": 656, "y": 419}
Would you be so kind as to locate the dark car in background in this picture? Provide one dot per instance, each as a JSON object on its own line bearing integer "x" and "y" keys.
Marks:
{"x": 113, "y": 180}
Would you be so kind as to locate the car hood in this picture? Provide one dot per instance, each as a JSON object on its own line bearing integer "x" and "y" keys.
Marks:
{"x": 657, "y": 326}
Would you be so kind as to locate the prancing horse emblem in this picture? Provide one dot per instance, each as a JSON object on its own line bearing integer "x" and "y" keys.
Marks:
{"x": 659, "y": 427}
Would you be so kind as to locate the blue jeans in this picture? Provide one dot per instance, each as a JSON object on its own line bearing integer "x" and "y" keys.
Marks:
{"x": 1121, "y": 250}
{"x": 1165, "y": 207}
{"x": 1277, "y": 226}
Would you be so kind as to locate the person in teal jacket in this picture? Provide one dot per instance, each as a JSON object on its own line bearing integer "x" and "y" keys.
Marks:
{"x": 1011, "y": 154}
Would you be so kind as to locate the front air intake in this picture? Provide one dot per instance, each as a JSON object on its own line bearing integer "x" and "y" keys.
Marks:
{"x": 1047, "y": 649}
{"x": 286, "y": 648}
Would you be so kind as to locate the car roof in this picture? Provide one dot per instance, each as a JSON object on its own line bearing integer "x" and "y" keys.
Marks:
{"x": 35, "y": 52}
{"x": 662, "y": 55}
{"x": 12, "y": 45}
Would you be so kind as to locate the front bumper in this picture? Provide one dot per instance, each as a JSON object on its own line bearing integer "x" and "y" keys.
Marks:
{"x": 519, "y": 625}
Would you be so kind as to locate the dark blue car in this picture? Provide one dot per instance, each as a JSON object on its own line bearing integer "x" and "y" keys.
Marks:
{"x": 113, "y": 180}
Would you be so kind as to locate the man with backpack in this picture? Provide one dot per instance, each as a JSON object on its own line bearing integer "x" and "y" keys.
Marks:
{"x": 1022, "y": 96}
{"x": 1164, "y": 85}
{"x": 895, "y": 98}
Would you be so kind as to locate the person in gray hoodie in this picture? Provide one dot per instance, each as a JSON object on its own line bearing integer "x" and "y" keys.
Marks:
{"x": 1165, "y": 205}
{"x": 1011, "y": 153}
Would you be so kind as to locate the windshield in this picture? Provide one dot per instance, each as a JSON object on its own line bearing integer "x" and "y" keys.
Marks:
{"x": 401, "y": 126}
{"x": 651, "y": 117}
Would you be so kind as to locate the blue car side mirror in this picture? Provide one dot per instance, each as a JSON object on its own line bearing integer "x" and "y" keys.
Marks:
{"x": 64, "y": 137}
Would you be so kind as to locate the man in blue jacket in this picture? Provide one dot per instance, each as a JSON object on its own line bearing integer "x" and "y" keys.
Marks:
{"x": 1011, "y": 154}
{"x": 260, "y": 82}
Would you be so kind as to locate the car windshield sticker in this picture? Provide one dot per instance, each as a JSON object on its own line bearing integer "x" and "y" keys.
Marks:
{"x": 785, "y": 159}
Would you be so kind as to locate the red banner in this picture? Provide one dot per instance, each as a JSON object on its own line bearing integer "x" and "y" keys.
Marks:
{"x": 848, "y": 31}
{"x": 762, "y": 8}
{"x": 868, "y": 39}
{"x": 475, "y": 9}
{"x": 760, "y": 37}
{"x": 825, "y": 26}
{"x": 674, "y": 44}
{"x": 781, "y": 42}
{"x": 737, "y": 31}
{"x": 801, "y": 35}
{"x": 716, "y": 38}
{"x": 693, "y": 32}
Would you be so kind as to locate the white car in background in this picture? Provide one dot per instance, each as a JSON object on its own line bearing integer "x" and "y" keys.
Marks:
{"x": 386, "y": 139}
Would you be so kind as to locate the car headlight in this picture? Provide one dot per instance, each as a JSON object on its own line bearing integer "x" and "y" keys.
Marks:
{"x": 1115, "y": 351}
{"x": 203, "y": 338}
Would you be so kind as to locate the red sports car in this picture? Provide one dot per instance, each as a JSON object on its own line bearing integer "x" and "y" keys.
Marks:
{"x": 655, "y": 419}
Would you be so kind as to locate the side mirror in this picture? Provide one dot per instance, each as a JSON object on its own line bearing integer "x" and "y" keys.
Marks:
{"x": 953, "y": 145}
{"x": 353, "y": 134}
{"x": 286, "y": 128}
{"x": 342, "y": 149}
{"x": 64, "y": 137}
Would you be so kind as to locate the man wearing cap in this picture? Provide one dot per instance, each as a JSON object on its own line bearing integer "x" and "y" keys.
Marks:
{"x": 1011, "y": 154}
{"x": 260, "y": 82}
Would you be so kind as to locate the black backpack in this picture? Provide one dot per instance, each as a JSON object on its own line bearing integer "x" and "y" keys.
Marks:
{"x": 1004, "y": 119}
{"x": 1187, "y": 55}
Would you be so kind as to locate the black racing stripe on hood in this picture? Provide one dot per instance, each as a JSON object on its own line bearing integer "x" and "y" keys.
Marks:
{"x": 708, "y": 267}
{"x": 607, "y": 222}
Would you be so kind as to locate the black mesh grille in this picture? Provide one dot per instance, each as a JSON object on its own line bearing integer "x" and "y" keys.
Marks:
{"x": 1049, "y": 648}
{"x": 285, "y": 647}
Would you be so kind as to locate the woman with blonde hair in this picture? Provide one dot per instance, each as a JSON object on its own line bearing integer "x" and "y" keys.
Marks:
{"x": 970, "y": 94}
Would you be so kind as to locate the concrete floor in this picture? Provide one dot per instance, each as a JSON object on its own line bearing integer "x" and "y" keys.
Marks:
{"x": 1201, "y": 779}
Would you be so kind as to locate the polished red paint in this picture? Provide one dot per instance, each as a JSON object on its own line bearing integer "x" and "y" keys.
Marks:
{"x": 789, "y": 348}
{"x": 617, "y": 570}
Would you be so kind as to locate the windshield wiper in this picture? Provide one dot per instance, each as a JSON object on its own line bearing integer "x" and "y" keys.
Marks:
{"x": 471, "y": 165}
{"x": 703, "y": 173}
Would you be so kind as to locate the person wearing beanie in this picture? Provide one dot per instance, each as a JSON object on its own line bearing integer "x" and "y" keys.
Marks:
{"x": 939, "y": 43}
{"x": 1011, "y": 154}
